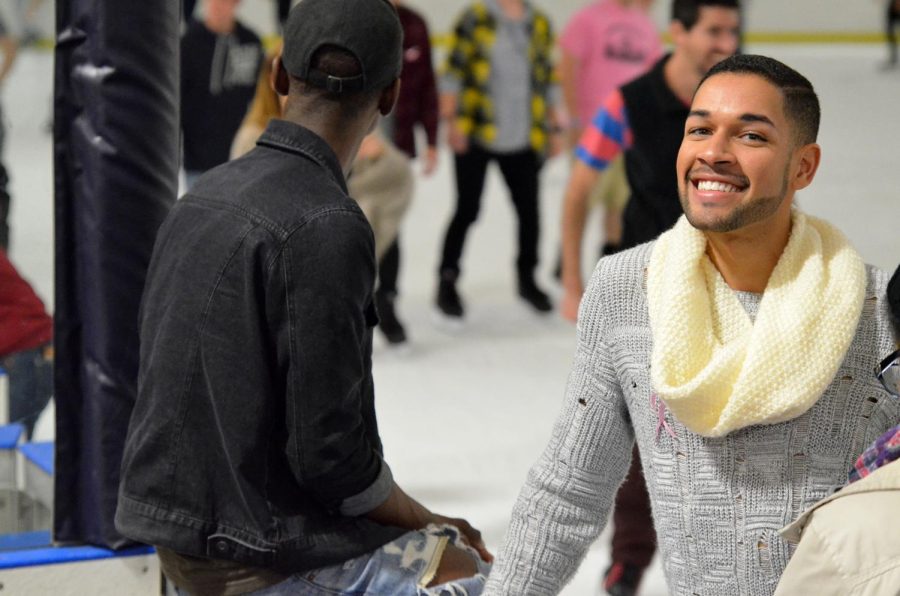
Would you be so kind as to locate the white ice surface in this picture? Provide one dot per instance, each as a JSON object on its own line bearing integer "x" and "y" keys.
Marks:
{"x": 464, "y": 413}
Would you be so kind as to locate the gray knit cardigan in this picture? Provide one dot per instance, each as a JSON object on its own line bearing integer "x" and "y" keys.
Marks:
{"x": 718, "y": 503}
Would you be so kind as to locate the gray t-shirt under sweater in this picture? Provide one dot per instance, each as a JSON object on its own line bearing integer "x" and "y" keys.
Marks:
{"x": 718, "y": 503}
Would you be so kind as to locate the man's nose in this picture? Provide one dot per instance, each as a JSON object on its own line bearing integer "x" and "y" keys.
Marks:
{"x": 716, "y": 149}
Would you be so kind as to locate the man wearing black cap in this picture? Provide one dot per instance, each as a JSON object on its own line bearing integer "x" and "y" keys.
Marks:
{"x": 253, "y": 460}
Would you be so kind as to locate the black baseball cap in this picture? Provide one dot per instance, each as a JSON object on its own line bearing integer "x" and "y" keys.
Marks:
{"x": 368, "y": 29}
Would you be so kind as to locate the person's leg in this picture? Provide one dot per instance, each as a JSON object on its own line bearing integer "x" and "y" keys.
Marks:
{"x": 383, "y": 188}
{"x": 520, "y": 171}
{"x": 634, "y": 538}
{"x": 432, "y": 561}
{"x": 4, "y": 208}
{"x": 4, "y": 190}
{"x": 284, "y": 7}
{"x": 395, "y": 197}
{"x": 389, "y": 269}
{"x": 188, "y": 8}
{"x": 386, "y": 295}
{"x": 471, "y": 168}
{"x": 390, "y": 183}
{"x": 30, "y": 385}
{"x": 893, "y": 15}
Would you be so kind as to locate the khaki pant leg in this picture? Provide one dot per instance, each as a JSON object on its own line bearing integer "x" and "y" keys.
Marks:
{"x": 612, "y": 190}
{"x": 383, "y": 187}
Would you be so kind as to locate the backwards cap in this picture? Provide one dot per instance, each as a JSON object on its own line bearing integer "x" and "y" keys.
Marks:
{"x": 368, "y": 29}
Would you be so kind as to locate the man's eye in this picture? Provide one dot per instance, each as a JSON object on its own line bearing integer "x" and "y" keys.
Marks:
{"x": 698, "y": 131}
{"x": 754, "y": 137}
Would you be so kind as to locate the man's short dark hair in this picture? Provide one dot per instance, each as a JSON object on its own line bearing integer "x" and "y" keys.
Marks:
{"x": 801, "y": 105}
{"x": 687, "y": 12}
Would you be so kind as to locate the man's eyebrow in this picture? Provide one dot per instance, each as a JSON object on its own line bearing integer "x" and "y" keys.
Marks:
{"x": 757, "y": 118}
{"x": 748, "y": 117}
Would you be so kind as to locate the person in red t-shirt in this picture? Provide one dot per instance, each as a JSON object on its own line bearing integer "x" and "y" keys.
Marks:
{"x": 26, "y": 353}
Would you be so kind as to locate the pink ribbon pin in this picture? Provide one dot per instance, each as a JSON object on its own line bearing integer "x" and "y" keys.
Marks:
{"x": 661, "y": 423}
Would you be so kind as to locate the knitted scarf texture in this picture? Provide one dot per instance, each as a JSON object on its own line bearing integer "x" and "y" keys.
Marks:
{"x": 716, "y": 370}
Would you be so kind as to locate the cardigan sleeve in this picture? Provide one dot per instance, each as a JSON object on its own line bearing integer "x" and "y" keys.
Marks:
{"x": 570, "y": 490}
{"x": 461, "y": 53}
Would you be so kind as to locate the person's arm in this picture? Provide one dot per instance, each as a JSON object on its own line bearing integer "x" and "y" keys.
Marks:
{"x": 322, "y": 282}
{"x": 575, "y": 209}
{"x": 554, "y": 101}
{"x": 459, "y": 60}
{"x": 319, "y": 304}
{"x": 429, "y": 109}
{"x": 401, "y": 510}
{"x": 605, "y": 137}
{"x": 568, "y": 77}
{"x": 10, "y": 49}
{"x": 575, "y": 45}
{"x": 563, "y": 506}
{"x": 456, "y": 138}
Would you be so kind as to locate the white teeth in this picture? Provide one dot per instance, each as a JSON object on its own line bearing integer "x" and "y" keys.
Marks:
{"x": 713, "y": 185}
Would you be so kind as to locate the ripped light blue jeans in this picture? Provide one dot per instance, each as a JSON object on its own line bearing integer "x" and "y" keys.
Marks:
{"x": 399, "y": 568}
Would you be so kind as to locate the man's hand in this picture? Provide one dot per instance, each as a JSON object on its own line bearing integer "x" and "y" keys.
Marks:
{"x": 430, "y": 160}
{"x": 581, "y": 180}
{"x": 456, "y": 138}
{"x": 470, "y": 535}
{"x": 403, "y": 511}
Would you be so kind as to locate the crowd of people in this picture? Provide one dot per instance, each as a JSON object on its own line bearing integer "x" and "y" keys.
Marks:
{"x": 735, "y": 356}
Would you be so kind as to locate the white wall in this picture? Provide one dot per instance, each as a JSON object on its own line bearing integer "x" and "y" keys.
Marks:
{"x": 765, "y": 16}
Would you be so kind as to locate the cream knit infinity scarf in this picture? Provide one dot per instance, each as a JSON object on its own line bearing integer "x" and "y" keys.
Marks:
{"x": 715, "y": 369}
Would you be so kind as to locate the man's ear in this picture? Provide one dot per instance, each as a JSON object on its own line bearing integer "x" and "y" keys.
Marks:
{"x": 388, "y": 98}
{"x": 806, "y": 160}
{"x": 280, "y": 79}
{"x": 676, "y": 31}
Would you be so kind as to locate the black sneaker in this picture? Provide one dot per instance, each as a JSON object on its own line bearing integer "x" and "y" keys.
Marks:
{"x": 534, "y": 296}
{"x": 448, "y": 301}
{"x": 389, "y": 324}
{"x": 622, "y": 579}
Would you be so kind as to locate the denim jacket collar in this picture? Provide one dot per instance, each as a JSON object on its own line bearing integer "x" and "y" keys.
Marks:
{"x": 289, "y": 136}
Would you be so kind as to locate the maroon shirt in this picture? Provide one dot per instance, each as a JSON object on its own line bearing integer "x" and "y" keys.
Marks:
{"x": 418, "y": 101}
{"x": 24, "y": 323}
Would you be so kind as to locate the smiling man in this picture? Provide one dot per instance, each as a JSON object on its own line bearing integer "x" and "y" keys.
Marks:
{"x": 643, "y": 121}
{"x": 736, "y": 350}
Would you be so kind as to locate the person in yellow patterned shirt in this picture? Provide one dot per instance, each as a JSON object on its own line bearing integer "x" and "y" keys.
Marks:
{"x": 498, "y": 95}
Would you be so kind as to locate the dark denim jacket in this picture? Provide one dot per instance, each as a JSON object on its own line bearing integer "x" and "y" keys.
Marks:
{"x": 254, "y": 436}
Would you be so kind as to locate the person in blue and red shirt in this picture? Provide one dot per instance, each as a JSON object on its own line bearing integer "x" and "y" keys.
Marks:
{"x": 26, "y": 353}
